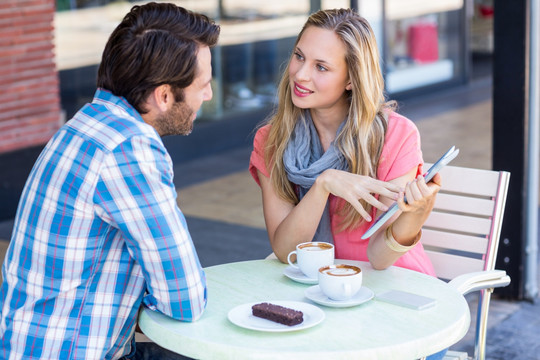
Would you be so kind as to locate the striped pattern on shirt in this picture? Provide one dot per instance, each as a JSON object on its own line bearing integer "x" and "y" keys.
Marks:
{"x": 97, "y": 232}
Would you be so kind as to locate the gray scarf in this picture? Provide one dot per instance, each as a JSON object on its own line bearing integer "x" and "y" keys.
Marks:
{"x": 304, "y": 160}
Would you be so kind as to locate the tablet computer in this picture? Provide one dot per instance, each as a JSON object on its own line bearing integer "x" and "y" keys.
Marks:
{"x": 435, "y": 168}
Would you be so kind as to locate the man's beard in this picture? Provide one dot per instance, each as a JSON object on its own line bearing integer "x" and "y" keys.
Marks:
{"x": 176, "y": 121}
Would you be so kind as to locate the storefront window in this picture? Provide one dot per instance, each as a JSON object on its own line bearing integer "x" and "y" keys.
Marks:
{"x": 256, "y": 39}
{"x": 420, "y": 42}
{"x": 423, "y": 43}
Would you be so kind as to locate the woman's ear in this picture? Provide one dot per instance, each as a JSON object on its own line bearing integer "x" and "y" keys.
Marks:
{"x": 348, "y": 87}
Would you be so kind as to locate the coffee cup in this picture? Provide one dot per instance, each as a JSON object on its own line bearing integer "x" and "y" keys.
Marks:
{"x": 311, "y": 256}
{"x": 340, "y": 282}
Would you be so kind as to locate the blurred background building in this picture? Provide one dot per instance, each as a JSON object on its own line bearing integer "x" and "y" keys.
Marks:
{"x": 50, "y": 52}
{"x": 51, "y": 49}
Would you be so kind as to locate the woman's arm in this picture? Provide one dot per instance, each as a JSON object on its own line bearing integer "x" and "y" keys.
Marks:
{"x": 289, "y": 225}
{"x": 402, "y": 231}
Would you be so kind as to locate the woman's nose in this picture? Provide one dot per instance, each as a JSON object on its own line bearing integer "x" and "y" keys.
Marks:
{"x": 303, "y": 72}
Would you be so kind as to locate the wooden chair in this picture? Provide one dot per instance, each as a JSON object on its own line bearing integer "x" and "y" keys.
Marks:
{"x": 461, "y": 237}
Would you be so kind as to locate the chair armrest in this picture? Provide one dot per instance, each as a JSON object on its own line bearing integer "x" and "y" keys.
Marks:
{"x": 479, "y": 280}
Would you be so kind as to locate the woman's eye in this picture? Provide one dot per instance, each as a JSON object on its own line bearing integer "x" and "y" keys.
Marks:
{"x": 298, "y": 56}
{"x": 321, "y": 68}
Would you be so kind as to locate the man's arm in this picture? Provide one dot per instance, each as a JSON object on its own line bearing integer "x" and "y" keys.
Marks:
{"x": 139, "y": 197}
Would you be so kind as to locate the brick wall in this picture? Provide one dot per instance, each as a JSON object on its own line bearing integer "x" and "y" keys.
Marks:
{"x": 29, "y": 90}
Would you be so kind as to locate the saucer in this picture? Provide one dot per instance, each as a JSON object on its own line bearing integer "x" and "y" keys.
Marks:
{"x": 298, "y": 276}
{"x": 315, "y": 294}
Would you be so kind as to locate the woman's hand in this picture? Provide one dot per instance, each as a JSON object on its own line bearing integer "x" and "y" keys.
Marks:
{"x": 289, "y": 224}
{"x": 420, "y": 196}
{"x": 407, "y": 222}
{"x": 352, "y": 188}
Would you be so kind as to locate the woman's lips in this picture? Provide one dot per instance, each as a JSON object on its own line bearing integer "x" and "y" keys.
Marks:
{"x": 301, "y": 91}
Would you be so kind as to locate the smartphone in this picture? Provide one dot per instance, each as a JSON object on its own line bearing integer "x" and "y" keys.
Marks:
{"x": 435, "y": 168}
{"x": 407, "y": 299}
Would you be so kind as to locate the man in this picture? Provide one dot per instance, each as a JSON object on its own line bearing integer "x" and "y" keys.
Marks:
{"x": 98, "y": 230}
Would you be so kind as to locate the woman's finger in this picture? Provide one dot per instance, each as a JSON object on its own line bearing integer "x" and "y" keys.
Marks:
{"x": 412, "y": 192}
{"x": 360, "y": 209}
{"x": 377, "y": 186}
{"x": 367, "y": 197}
{"x": 403, "y": 206}
{"x": 376, "y": 203}
{"x": 422, "y": 186}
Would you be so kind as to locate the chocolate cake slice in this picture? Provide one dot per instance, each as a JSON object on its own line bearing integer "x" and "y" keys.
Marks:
{"x": 277, "y": 313}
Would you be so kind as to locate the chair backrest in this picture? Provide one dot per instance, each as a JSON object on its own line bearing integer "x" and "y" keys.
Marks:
{"x": 462, "y": 233}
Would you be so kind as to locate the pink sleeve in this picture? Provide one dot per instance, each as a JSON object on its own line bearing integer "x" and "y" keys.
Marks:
{"x": 256, "y": 161}
{"x": 401, "y": 151}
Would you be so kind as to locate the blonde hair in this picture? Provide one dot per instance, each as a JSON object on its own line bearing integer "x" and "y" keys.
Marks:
{"x": 362, "y": 137}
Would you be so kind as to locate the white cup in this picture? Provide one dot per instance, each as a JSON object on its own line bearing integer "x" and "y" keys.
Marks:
{"x": 340, "y": 282}
{"x": 311, "y": 256}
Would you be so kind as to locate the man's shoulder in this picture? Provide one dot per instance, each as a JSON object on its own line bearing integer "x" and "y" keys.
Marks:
{"x": 107, "y": 128}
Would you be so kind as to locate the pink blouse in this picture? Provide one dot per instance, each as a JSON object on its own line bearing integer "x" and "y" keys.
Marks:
{"x": 401, "y": 152}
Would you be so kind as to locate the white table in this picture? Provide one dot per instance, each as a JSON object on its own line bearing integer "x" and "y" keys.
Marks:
{"x": 373, "y": 330}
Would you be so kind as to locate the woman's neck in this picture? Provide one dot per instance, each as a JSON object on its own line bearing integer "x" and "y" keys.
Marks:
{"x": 327, "y": 124}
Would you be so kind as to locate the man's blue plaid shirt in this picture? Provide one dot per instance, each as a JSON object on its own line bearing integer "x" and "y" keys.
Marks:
{"x": 97, "y": 227}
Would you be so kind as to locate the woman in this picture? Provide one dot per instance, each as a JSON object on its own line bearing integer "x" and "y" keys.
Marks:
{"x": 335, "y": 153}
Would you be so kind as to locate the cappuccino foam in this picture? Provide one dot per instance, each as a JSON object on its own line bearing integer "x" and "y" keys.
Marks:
{"x": 315, "y": 246}
{"x": 341, "y": 270}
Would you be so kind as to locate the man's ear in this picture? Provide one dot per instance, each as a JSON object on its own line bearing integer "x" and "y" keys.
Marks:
{"x": 163, "y": 97}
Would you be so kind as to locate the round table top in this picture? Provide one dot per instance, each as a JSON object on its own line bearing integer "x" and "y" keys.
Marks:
{"x": 372, "y": 330}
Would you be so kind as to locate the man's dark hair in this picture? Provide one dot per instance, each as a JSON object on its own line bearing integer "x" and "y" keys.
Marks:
{"x": 155, "y": 44}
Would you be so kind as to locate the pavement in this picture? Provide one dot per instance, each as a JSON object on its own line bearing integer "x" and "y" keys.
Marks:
{"x": 223, "y": 207}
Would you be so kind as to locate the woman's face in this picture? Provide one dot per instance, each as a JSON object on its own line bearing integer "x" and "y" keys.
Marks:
{"x": 318, "y": 72}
